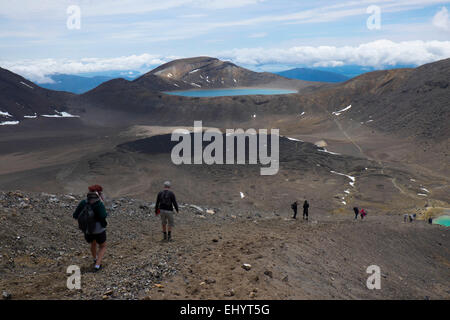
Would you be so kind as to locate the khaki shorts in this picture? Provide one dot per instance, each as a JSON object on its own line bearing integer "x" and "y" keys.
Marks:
{"x": 167, "y": 217}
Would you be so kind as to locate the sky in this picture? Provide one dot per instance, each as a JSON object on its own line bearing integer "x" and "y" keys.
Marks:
{"x": 43, "y": 37}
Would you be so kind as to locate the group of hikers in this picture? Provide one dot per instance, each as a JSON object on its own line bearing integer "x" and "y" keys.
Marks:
{"x": 91, "y": 216}
{"x": 362, "y": 213}
{"x": 305, "y": 209}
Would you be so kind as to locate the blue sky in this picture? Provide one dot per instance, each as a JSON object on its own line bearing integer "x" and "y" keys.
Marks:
{"x": 272, "y": 34}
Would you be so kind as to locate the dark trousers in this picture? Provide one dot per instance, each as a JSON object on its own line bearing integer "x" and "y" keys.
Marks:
{"x": 305, "y": 213}
{"x": 295, "y": 213}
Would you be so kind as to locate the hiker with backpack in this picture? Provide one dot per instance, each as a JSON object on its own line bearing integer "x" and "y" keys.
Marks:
{"x": 165, "y": 202}
{"x": 363, "y": 214}
{"x": 305, "y": 209}
{"x": 294, "y": 207}
{"x": 91, "y": 215}
{"x": 356, "y": 212}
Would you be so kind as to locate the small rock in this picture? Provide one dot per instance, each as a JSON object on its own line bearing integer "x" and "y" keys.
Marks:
{"x": 108, "y": 292}
{"x": 6, "y": 295}
{"x": 252, "y": 294}
{"x": 268, "y": 273}
{"x": 215, "y": 240}
{"x": 246, "y": 266}
{"x": 157, "y": 285}
{"x": 229, "y": 293}
{"x": 210, "y": 211}
{"x": 285, "y": 279}
{"x": 210, "y": 280}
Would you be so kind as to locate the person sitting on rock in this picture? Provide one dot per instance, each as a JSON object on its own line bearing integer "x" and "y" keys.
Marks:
{"x": 91, "y": 215}
{"x": 165, "y": 202}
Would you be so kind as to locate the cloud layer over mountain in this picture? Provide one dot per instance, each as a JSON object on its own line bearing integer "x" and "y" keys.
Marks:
{"x": 378, "y": 54}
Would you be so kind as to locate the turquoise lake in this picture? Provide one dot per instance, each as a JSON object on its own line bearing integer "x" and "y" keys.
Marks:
{"x": 228, "y": 92}
{"x": 442, "y": 220}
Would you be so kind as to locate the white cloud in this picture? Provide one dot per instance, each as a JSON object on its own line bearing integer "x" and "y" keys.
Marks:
{"x": 377, "y": 53}
{"x": 40, "y": 69}
{"x": 331, "y": 63}
{"x": 328, "y": 13}
{"x": 57, "y": 8}
{"x": 441, "y": 19}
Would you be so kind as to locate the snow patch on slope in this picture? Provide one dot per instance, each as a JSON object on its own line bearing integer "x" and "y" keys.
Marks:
{"x": 5, "y": 114}
{"x": 337, "y": 113}
{"x": 9, "y": 123}
{"x": 27, "y": 85}
{"x": 60, "y": 115}
{"x": 352, "y": 183}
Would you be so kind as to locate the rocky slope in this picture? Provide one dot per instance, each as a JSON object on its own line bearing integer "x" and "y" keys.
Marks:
{"x": 20, "y": 97}
{"x": 410, "y": 102}
{"x": 217, "y": 254}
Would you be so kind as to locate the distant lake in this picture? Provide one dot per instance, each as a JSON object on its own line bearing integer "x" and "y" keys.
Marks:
{"x": 228, "y": 92}
{"x": 442, "y": 220}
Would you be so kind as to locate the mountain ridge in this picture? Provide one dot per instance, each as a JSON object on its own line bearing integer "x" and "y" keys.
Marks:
{"x": 20, "y": 97}
{"x": 410, "y": 101}
{"x": 308, "y": 74}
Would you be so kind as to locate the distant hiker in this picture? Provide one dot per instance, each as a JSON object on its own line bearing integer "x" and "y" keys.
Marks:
{"x": 356, "y": 212}
{"x": 409, "y": 217}
{"x": 294, "y": 207}
{"x": 363, "y": 213}
{"x": 91, "y": 215}
{"x": 164, "y": 207}
{"x": 305, "y": 209}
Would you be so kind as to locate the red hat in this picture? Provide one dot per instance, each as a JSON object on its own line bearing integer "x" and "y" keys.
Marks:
{"x": 96, "y": 188}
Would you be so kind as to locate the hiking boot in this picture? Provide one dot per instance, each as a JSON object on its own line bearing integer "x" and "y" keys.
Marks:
{"x": 164, "y": 237}
{"x": 97, "y": 269}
